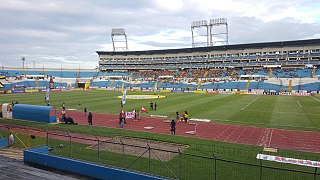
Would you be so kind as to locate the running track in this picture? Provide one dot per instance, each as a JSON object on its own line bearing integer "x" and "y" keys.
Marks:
{"x": 265, "y": 137}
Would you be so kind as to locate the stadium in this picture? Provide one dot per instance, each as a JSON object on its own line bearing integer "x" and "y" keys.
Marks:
{"x": 253, "y": 113}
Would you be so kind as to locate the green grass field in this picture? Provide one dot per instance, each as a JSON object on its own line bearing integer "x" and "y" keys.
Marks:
{"x": 288, "y": 112}
{"x": 265, "y": 111}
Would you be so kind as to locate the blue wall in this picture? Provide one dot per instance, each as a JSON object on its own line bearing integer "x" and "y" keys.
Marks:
{"x": 4, "y": 143}
{"x": 33, "y": 113}
{"x": 40, "y": 156}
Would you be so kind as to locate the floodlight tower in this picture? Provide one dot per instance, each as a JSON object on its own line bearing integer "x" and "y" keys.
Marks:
{"x": 119, "y": 39}
{"x": 216, "y": 23}
{"x": 23, "y": 59}
{"x": 198, "y": 25}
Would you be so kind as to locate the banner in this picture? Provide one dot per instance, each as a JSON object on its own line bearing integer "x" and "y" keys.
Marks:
{"x": 47, "y": 94}
{"x": 124, "y": 97}
{"x": 300, "y": 162}
{"x": 130, "y": 114}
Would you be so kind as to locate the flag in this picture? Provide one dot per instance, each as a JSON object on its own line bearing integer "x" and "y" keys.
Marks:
{"x": 142, "y": 109}
{"x": 47, "y": 94}
{"x": 124, "y": 97}
{"x": 130, "y": 114}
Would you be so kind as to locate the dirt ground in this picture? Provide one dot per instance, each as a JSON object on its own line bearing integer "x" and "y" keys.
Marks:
{"x": 130, "y": 148}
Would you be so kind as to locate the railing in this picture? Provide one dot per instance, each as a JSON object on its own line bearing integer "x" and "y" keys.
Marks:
{"x": 164, "y": 159}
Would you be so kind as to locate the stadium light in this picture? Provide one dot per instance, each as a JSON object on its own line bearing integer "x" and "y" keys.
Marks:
{"x": 198, "y": 25}
{"x": 215, "y": 23}
{"x": 23, "y": 59}
{"x": 119, "y": 39}
{"x": 209, "y": 35}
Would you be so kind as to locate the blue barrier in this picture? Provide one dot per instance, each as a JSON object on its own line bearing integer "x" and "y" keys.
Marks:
{"x": 40, "y": 156}
{"x": 4, "y": 143}
{"x": 33, "y": 113}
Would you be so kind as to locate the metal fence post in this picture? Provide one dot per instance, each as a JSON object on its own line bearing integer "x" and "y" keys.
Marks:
{"x": 149, "y": 157}
{"x": 214, "y": 167}
{"x": 315, "y": 173}
{"x": 98, "y": 150}
{"x": 260, "y": 169}
{"x": 47, "y": 141}
{"x": 180, "y": 164}
{"x": 70, "y": 145}
{"x": 123, "y": 165}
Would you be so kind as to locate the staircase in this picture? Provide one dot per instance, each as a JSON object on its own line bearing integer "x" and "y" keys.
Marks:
{"x": 11, "y": 152}
{"x": 313, "y": 72}
{"x": 160, "y": 83}
{"x": 248, "y": 85}
{"x": 181, "y": 74}
{"x": 111, "y": 84}
{"x": 104, "y": 75}
{"x": 204, "y": 76}
{"x": 290, "y": 86}
{"x": 134, "y": 83}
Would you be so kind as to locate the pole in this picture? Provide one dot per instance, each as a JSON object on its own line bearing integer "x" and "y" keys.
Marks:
{"x": 260, "y": 169}
{"x": 215, "y": 167}
{"x": 180, "y": 164}
{"x": 70, "y": 145}
{"x": 28, "y": 138}
{"x": 98, "y": 151}
{"x": 149, "y": 157}
{"x": 47, "y": 138}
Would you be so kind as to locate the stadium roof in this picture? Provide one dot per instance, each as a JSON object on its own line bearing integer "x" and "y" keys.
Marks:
{"x": 216, "y": 48}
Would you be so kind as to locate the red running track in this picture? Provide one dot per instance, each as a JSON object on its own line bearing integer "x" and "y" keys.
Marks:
{"x": 265, "y": 137}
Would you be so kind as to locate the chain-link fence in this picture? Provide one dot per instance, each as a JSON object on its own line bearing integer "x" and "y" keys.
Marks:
{"x": 158, "y": 158}
{"x": 162, "y": 159}
{"x": 24, "y": 137}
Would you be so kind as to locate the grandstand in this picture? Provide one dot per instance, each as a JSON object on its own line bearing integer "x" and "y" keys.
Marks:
{"x": 272, "y": 66}
{"x": 229, "y": 67}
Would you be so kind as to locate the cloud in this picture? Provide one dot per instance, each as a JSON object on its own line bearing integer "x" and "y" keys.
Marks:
{"x": 51, "y": 33}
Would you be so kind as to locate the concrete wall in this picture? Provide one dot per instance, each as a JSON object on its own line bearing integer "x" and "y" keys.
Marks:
{"x": 4, "y": 143}
{"x": 40, "y": 156}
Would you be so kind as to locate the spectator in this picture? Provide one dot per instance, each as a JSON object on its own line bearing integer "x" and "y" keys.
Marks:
{"x": 173, "y": 127}
{"x": 85, "y": 112}
{"x": 11, "y": 139}
{"x": 90, "y": 119}
{"x": 177, "y": 116}
{"x": 151, "y": 106}
{"x": 155, "y": 106}
{"x": 185, "y": 116}
{"x": 120, "y": 120}
{"x": 69, "y": 120}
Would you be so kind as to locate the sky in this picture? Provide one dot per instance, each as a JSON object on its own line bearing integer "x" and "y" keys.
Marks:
{"x": 67, "y": 33}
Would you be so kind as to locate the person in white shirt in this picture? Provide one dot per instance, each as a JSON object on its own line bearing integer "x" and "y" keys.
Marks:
{"x": 11, "y": 139}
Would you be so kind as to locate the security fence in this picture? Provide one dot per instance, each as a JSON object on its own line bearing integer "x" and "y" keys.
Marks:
{"x": 167, "y": 160}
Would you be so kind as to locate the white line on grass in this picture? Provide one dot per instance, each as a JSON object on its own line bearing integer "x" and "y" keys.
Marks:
{"x": 299, "y": 103}
{"x": 268, "y": 124}
{"x": 249, "y": 103}
{"x": 280, "y": 112}
{"x": 315, "y": 99}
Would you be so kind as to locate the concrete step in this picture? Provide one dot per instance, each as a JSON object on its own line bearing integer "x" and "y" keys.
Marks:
{"x": 11, "y": 152}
